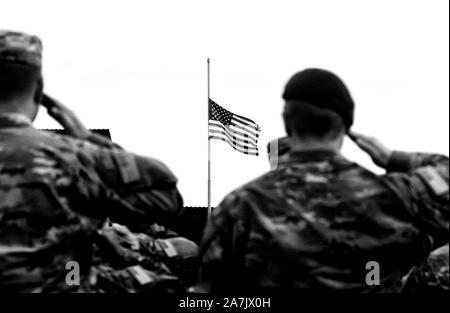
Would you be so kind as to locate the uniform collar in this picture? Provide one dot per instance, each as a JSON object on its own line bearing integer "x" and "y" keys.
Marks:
{"x": 310, "y": 156}
{"x": 8, "y": 120}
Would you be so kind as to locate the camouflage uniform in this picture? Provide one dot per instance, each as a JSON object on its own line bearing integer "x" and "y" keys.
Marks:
{"x": 57, "y": 191}
{"x": 164, "y": 254}
{"x": 318, "y": 219}
{"x": 431, "y": 276}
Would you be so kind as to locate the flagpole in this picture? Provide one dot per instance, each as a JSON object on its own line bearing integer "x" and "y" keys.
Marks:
{"x": 209, "y": 147}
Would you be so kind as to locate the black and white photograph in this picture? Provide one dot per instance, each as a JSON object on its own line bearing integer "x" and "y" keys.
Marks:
{"x": 221, "y": 153}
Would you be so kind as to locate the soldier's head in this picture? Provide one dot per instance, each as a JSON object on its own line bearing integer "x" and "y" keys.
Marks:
{"x": 21, "y": 81}
{"x": 318, "y": 108}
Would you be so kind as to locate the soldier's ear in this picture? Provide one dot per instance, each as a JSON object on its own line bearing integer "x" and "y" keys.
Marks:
{"x": 288, "y": 129}
{"x": 39, "y": 93}
{"x": 287, "y": 125}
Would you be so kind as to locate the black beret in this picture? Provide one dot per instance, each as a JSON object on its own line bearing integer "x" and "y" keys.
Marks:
{"x": 322, "y": 89}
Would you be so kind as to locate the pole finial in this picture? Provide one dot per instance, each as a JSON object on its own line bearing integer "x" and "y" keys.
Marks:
{"x": 209, "y": 60}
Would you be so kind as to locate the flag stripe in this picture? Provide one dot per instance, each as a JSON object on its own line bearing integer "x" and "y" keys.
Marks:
{"x": 233, "y": 141}
{"x": 244, "y": 129}
{"x": 234, "y": 138}
{"x": 233, "y": 132}
{"x": 247, "y": 120}
{"x": 244, "y": 123}
{"x": 234, "y": 144}
{"x": 245, "y": 151}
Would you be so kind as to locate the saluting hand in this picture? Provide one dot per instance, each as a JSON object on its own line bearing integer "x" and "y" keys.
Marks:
{"x": 66, "y": 117}
{"x": 379, "y": 153}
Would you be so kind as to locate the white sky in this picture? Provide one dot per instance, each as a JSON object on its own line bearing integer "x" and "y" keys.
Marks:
{"x": 139, "y": 69}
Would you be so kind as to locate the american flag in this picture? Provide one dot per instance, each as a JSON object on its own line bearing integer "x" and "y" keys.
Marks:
{"x": 239, "y": 132}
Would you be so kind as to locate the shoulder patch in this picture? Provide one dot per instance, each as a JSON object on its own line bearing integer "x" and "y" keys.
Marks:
{"x": 169, "y": 249}
{"x": 128, "y": 167}
{"x": 141, "y": 276}
{"x": 434, "y": 180}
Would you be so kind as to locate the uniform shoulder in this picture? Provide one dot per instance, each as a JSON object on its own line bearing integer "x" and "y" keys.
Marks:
{"x": 239, "y": 196}
{"x": 114, "y": 157}
{"x": 60, "y": 140}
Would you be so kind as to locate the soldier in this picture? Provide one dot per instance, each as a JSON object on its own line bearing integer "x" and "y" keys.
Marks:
{"x": 56, "y": 191}
{"x": 319, "y": 221}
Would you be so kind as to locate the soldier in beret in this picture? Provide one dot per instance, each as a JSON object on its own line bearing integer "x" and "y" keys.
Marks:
{"x": 319, "y": 221}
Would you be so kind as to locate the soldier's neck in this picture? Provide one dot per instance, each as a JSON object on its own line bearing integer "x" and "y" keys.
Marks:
{"x": 301, "y": 145}
{"x": 19, "y": 107}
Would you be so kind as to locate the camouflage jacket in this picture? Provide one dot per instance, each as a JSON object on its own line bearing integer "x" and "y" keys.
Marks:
{"x": 55, "y": 193}
{"x": 432, "y": 276}
{"x": 164, "y": 254}
{"x": 318, "y": 220}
